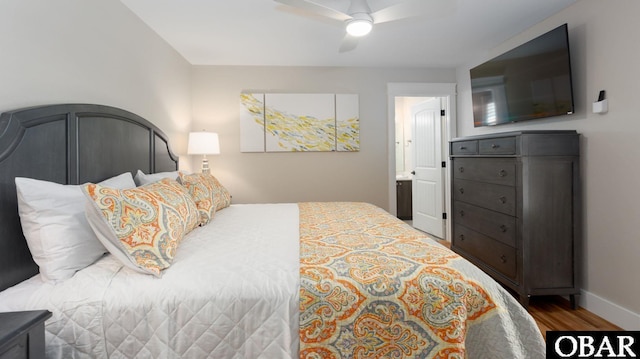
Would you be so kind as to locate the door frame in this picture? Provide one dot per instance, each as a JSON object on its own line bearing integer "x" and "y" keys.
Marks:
{"x": 411, "y": 89}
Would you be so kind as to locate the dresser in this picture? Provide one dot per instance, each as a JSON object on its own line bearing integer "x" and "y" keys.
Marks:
{"x": 516, "y": 209}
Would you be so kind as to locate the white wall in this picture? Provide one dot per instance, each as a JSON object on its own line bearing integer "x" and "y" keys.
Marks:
{"x": 91, "y": 51}
{"x": 308, "y": 176}
{"x": 605, "y": 56}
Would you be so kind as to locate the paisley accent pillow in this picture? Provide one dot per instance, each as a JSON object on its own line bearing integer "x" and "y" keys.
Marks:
{"x": 142, "y": 178}
{"x": 142, "y": 226}
{"x": 203, "y": 191}
{"x": 223, "y": 198}
{"x": 209, "y": 195}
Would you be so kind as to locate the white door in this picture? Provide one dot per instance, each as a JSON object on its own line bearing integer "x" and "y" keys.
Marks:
{"x": 427, "y": 183}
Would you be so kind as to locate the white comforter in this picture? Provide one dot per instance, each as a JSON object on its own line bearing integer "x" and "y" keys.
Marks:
{"x": 232, "y": 292}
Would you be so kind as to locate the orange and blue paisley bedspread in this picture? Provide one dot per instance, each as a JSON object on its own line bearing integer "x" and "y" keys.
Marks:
{"x": 373, "y": 287}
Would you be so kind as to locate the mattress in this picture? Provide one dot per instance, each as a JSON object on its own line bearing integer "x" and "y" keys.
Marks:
{"x": 233, "y": 291}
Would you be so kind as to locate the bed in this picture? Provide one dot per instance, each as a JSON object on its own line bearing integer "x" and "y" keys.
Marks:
{"x": 281, "y": 280}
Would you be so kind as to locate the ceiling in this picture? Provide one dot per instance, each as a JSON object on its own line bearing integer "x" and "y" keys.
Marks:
{"x": 263, "y": 32}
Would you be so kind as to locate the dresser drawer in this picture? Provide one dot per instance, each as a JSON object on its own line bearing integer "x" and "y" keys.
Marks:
{"x": 497, "y": 255}
{"x": 490, "y": 196}
{"x": 498, "y": 226}
{"x": 491, "y": 170}
{"x": 464, "y": 148}
{"x": 497, "y": 146}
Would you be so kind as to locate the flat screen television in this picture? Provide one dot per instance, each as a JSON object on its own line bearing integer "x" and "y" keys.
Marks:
{"x": 528, "y": 82}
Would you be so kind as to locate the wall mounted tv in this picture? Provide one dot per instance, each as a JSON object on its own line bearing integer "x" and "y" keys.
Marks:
{"x": 529, "y": 82}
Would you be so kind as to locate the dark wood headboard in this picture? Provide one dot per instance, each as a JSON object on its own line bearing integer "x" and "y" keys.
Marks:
{"x": 67, "y": 144}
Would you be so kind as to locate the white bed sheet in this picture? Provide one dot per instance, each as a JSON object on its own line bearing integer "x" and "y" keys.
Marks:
{"x": 232, "y": 292}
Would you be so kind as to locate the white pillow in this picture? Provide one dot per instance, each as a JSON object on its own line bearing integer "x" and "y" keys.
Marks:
{"x": 142, "y": 179}
{"x": 54, "y": 223}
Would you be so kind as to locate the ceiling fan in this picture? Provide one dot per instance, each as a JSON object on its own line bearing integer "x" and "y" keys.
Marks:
{"x": 359, "y": 19}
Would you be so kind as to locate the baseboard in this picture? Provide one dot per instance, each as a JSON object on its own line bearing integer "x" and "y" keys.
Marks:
{"x": 610, "y": 311}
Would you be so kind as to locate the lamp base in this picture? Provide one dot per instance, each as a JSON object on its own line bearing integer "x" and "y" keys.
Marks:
{"x": 205, "y": 165}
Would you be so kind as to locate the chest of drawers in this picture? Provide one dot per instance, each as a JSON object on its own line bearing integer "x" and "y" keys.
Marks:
{"x": 516, "y": 209}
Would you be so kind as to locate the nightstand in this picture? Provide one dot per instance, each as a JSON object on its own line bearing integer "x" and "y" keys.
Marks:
{"x": 22, "y": 334}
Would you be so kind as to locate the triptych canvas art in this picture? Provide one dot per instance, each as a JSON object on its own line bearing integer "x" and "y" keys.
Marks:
{"x": 276, "y": 122}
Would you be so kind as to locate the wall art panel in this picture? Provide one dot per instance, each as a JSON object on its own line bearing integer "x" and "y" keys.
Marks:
{"x": 347, "y": 123}
{"x": 300, "y": 122}
{"x": 252, "y": 117}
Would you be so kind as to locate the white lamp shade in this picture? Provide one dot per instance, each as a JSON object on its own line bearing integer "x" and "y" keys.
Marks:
{"x": 203, "y": 143}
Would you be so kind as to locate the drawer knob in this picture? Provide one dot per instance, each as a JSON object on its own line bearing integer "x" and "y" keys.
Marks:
{"x": 463, "y": 147}
{"x": 503, "y": 258}
{"x": 503, "y": 228}
{"x": 461, "y": 190}
{"x": 502, "y": 173}
{"x": 461, "y": 169}
{"x": 495, "y": 145}
{"x": 503, "y": 199}
{"x": 461, "y": 213}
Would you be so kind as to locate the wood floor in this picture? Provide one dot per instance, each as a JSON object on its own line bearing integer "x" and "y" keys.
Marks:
{"x": 555, "y": 313}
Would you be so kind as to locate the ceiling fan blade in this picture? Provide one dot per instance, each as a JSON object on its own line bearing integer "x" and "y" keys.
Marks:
{"x": 348, "y": 43}
{"x": 316, "y": 8}
{"x": 414, "y": 8}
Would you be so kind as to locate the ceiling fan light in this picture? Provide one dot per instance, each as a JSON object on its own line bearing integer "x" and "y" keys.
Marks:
{"x": 359, "y": 27}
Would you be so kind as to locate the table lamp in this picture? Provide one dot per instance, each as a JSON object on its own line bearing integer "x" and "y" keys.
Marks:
{"x": 203, "y": 143}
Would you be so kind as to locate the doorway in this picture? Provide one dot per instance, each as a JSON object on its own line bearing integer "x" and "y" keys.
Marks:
{"x": 401, "y": 97}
